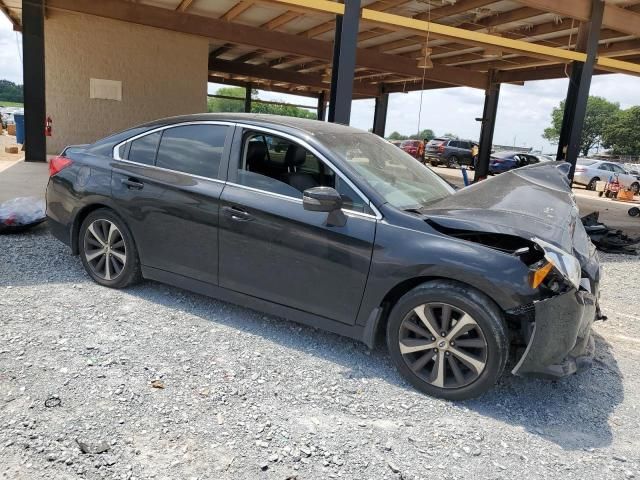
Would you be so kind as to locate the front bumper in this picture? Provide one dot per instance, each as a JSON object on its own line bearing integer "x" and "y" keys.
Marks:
{"x": 560, "y": 342}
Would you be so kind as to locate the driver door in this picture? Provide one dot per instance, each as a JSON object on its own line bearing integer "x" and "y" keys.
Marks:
{"x": 273, "y": 249}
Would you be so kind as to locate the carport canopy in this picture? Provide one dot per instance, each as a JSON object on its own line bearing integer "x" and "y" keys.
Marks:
{"x": 300, "y": 46}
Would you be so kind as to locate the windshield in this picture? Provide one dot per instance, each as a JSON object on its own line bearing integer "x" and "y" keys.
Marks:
{"x": 403, "y": 182}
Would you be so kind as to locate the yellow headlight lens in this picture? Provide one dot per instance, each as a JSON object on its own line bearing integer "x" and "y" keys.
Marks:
{"x": 537, "y": 276}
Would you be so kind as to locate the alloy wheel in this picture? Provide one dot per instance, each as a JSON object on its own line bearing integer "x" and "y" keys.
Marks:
{"x": 105, "y": 249}
{"x": 443, "y": 345}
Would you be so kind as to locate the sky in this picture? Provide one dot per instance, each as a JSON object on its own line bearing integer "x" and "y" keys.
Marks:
{"x": 523, "y": 111}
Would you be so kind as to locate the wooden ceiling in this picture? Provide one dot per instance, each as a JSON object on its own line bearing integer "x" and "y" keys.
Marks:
{"x": 286, "y": 45}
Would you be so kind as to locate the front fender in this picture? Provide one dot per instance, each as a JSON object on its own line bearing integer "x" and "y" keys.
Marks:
{"x": 403, "y": 254}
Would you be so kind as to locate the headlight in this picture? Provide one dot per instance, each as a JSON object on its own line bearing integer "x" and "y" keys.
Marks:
{"x": 564, "y": 263}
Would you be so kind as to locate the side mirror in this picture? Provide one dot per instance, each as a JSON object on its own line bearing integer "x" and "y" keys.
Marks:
{"x": 325, "y": 199}
{"x": 321, "y": 199}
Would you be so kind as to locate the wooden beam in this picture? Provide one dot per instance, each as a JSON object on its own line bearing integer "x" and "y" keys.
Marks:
{"x": 262, "y": 39}
{"x": 184, "y": 5}
{"x": 17, "y": 27}
{"x": 275, "y": 75}
{"x": 617, "y": 18}
{"x": 237, "y": 10}
{"x": 281, "y": 20}
{"x": 213, "y": 78}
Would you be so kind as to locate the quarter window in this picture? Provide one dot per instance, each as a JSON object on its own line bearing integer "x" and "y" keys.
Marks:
{"x": 280, "y": 166}
{"x": 143, "y": 150}
{"x": 193, "y": 149}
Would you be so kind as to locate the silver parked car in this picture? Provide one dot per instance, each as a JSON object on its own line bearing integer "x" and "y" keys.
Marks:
{"x": 589, "y": 171}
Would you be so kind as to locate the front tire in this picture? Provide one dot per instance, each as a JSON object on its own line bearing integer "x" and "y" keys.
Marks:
{"x": 452, "y": 161}
{"x": 107, "y": 250}
{"x": 635, "y": 188}
{"x": 448, "y": 340}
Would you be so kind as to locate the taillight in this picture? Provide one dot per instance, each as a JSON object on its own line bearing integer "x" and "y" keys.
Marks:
{"x": 56, "y": 164}
{"x": 441, "y": 148}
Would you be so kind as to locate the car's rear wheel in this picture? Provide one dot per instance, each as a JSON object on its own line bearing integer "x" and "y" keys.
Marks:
{"x": 107, "y": 250}
{"x": 635, "y": 188}
{"x": 634, "y": 211}
{"x": 592, "y": 183}
{"x": 452, "y": 161}
{"x": 448, "y": 340}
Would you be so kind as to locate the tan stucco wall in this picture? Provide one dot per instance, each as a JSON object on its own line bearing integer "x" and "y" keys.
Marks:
{"x": 163, "y": 73}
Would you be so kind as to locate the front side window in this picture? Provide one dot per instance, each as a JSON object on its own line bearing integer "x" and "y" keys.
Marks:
{"x": 192, "y": 149}
{"x": 143, "y": 150}
{"x": 278, "y": 165}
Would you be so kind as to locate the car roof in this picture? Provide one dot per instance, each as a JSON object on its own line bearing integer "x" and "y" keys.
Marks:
{"x": 311, "y": 127}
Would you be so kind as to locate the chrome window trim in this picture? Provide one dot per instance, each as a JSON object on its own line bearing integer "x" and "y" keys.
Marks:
{"x": 298, "y": 200}
{"x": 116, "y": 155}
{"x": 162, "y": 169}
{"x": 377, "y": 215}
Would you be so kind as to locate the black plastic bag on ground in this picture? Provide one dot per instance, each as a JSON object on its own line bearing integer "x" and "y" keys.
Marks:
{"x": 21, "y": 213}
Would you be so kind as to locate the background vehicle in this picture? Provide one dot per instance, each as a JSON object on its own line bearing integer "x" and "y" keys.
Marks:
{"x": 397, "y": 143}
{"x": 500, "y": 162}
{"x": 415, "y": 148}
{"x": 449, "y": 152}
{"x": 589, "y": 171}
{"x": 343, "y": 232}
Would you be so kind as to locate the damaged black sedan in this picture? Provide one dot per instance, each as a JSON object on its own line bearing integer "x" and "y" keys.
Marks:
{"x": 336, "y": 228}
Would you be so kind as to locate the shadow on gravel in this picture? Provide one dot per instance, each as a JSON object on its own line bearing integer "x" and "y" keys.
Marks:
{"x": 572, "y": 412}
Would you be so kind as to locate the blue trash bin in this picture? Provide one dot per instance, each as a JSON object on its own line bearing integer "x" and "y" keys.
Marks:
{"x": 19, "y": 119}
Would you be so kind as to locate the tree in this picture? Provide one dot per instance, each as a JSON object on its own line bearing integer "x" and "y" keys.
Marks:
{"x": 622, "y": 133}
{"x": 397, "y": 136}
{"x": 427, "y": 134}
{"x": 230, "y": 105}
{"x": 10, "y": 92}
{"x": 599, "y": 114}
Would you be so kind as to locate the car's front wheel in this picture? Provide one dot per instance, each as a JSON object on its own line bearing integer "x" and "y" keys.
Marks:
{"x": 448, "y": 340}
{"x": 635, "y": 188}
{"x": 452, "y": 161}
{"x": 107, "y": 250}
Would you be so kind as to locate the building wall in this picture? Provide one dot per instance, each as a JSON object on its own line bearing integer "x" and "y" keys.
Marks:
{"x": 163, "y": 73}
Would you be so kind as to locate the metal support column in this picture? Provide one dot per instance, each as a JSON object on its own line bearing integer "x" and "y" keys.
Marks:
{"x": 247, "y": 98}
{"x": 380, "y": 114}
{"x": 321, "y": 105}
{"x": 491, "y": 97}
{"x": 582, "y": 86}
{"x": 344, "y": 63}
{"x": 34, "y": 81}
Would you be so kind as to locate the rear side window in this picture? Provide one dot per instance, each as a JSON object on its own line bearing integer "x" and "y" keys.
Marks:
{"x": 143, "y": 150}
{"x": 193, "y": 149}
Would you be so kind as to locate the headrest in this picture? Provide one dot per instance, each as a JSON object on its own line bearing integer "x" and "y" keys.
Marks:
{"x": 256, "y": 151}
{"x": 295, "y": 156}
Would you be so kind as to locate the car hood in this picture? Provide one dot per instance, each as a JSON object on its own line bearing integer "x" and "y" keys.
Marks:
{"x": 530, "y": 202}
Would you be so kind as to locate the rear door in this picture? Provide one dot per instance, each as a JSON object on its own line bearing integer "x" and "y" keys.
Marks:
{"x": 167, "y": 185}
{"x": 273, "y": 249}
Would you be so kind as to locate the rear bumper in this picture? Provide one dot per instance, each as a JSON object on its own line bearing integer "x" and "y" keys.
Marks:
{"x": 561, "y": 342}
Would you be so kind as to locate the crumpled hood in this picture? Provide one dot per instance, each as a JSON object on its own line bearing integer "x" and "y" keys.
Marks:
{"x": 529, "y": 202}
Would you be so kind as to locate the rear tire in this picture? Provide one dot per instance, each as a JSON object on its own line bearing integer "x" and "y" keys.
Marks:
{"x": 107, "y": 250}
{"x": 592, "y": 183}
{"x": 634, "y": 211}
{"x": 635, "y": 188}
{"x": 435, "y": 355}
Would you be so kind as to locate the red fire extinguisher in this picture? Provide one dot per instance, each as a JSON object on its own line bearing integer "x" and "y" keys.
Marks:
{"x": 47, "y": 127}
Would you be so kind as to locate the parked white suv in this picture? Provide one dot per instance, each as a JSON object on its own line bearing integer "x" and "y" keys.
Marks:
{"x": 589, "y": 171}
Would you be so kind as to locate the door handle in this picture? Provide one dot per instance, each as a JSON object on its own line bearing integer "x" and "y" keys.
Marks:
{"x": 237, "y": 214}
{"x": 132, "y": 183}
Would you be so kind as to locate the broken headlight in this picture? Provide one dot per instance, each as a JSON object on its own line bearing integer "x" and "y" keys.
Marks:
{"x": 557, "y": 259}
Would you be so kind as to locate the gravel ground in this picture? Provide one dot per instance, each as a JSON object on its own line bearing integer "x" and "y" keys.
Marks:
{"x": 244, "y": 395}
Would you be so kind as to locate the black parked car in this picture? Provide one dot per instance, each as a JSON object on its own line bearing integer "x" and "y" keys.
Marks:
{"x": 343, "y": 231}
{"x": 449, "y": 152}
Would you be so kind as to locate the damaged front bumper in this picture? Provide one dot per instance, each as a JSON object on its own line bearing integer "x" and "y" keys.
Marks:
{"x": 559, "y": 339}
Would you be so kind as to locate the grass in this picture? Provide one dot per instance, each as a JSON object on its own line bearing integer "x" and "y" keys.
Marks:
{"x": 4, "y": 103}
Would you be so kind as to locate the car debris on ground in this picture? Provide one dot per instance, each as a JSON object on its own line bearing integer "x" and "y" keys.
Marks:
{"x": 609, "y": 239}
